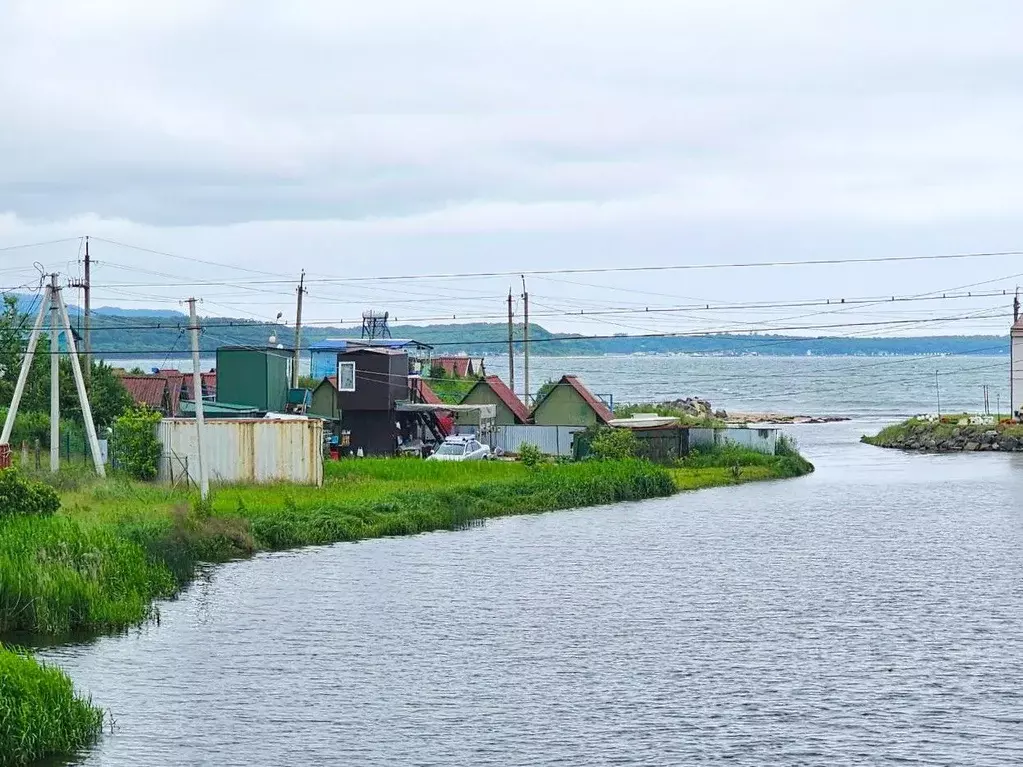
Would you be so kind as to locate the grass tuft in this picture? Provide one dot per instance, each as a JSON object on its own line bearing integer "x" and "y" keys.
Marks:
{"x": 40, "y": 714}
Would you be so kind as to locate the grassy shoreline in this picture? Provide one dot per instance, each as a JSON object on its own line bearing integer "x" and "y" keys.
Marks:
{"x": 116, "y": 547}
{"x": 949, "y": 434}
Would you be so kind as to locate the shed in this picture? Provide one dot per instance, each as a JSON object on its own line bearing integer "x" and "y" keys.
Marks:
{"x": 493, "y": 391}
{"x": 569, "y": 403}
{"x": 256, "y": 377}
{"x": 326, "y": 403}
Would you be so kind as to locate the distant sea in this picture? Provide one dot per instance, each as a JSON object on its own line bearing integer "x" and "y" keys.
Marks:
{"x": 849, "y": 386}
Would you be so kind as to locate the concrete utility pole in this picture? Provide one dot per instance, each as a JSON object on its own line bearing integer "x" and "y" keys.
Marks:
{"x": 511, "y": 343}
{"x": 298, "y": 332}
{"x": 200, "y": 418}
{"x": 83, "y": 394}
{"x": 53, "y": 304}
{"x": 54, "y": 377}
{"x": 525, "y": 339}
{"x": 26, "y": 365}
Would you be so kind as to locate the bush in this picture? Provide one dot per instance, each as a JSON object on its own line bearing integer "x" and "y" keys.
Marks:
{"x": 136, "y": 448}
{"x": 21, "y": 496}
{"x": 530, "y": 455}
{"x": 613, "y": 445}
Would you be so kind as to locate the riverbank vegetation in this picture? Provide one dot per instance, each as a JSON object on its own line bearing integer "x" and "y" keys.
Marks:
{"x": 40, "y": 713}
{"x": 733, "y": 465}
{"x": 115, "y": 546}
{"x": 951, "y": 433}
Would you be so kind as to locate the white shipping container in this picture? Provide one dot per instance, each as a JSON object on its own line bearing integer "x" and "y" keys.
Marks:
{"x": 244, "y": 450}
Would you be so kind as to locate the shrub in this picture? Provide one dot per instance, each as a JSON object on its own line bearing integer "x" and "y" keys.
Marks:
{"x": 136, "y": 448}
{"x": 530, "y": 455}
{"x": 21, "y": 496}
{"x": 613, "y": 445}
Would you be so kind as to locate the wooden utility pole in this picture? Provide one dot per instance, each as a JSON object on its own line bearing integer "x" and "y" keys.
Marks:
{"x": 298, "y": 333}
{"x": 511, "y": 343}
{"x": 525, "y": 340}
{"x": 87, "y": 327}
{"x": 200, "y": 418}
{"x": 86, "y": 286}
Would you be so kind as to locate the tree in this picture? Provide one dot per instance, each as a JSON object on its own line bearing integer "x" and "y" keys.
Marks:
{"x": 136, "y": 449}
{"x": 107, "y": 396}
{"x": 546, "y": 389}
{"x": 613, "y": 444}
{"x": 15, "y": 328}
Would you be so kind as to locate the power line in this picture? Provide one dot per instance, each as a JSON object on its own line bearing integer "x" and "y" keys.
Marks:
{"x": 39, "y": 244}
{"x": 611, "y": 269}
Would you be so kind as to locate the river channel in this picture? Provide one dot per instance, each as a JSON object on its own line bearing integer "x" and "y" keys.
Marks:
{"x": 871, "y": 613}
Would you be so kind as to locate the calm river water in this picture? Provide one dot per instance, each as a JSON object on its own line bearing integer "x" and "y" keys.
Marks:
{"x": 869, "y": 614}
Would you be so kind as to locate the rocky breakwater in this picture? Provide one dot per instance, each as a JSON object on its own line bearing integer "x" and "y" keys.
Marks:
{"x": 951, "y": 435}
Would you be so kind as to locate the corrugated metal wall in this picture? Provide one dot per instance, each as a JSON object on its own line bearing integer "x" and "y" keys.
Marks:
{"x": 244, "y": 451}
{"x": 761, "y": 440}
{"x": 552, "y": 440}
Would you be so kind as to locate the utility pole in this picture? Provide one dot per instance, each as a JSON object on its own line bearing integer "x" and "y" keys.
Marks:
{"x": 511, "y": 343}
{"x": 54, "y": 377}
{"x": 86, "y": 287}
{"x": 53, "y": 304}
{"x": 298, "y": 333}
{"x": 525, "y": 340}
{"x": 937, "y": 391}
{"x": 200, "y": 419}
{"x": 83, "y": 394}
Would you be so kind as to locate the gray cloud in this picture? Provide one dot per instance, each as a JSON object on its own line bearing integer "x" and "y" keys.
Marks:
{"x": 417, "y": 136}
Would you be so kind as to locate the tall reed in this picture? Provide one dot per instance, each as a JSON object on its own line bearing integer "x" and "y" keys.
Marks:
{"x": 40, "y": 714}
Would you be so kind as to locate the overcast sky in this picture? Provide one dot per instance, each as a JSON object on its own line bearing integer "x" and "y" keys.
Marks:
{"x": 400, "y": 137}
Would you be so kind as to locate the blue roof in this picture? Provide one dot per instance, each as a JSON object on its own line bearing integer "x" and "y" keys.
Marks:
{"x": 342, "y": 344}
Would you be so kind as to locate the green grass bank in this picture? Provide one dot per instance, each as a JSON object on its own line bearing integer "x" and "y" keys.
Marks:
{"x": 40, "y": 713}
{"x": 116, "y": 546}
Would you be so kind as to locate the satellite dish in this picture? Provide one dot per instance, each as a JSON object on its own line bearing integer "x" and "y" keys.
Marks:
{"x": 273, "y": 339}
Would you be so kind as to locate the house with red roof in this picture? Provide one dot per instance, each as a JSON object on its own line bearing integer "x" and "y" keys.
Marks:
{"x": 460, "y": 366}
{"x": 152, "y": 391}
{"x": 569, "y": 403}
{"x": 493, "y": 391}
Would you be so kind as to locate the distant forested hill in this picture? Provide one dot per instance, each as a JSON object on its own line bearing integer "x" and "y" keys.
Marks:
{"x": 141, "y": 332}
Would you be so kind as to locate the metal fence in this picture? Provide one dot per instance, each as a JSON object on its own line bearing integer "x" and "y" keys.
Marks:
{"x": 761, "y": 440}
{"x": 244, "y": 450}
{"x": 551, "y": 440}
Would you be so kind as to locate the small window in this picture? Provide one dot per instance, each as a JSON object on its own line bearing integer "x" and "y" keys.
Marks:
{"x": 346, "y": 376}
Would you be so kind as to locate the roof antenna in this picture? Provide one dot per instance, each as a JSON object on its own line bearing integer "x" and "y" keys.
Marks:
{"x": 1015, "y": 307}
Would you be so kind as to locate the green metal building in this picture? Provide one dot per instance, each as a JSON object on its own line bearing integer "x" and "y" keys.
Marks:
{"x": 259, "y": 378}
